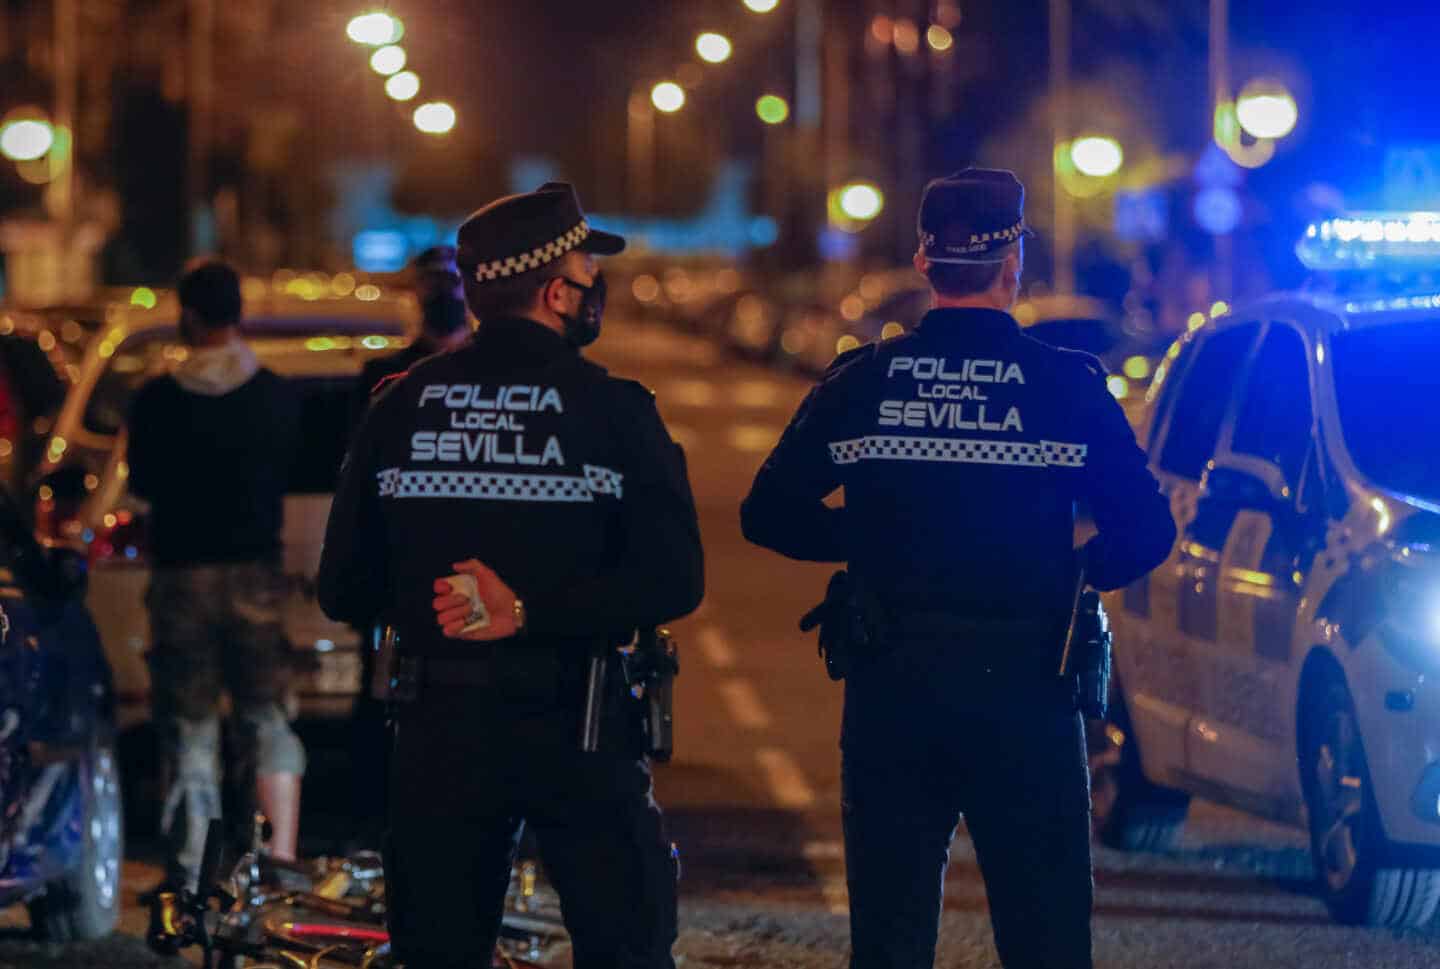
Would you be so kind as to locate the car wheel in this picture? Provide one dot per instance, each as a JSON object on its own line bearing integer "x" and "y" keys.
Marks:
{"x": 85, "y": 903}
{"x": 1346, "y": 840}
{"x": 1129, "y": 812}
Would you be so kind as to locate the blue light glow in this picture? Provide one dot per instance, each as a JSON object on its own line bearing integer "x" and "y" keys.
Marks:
{"x": 1218, "y": 210}
{"x": 1373, "y": 240}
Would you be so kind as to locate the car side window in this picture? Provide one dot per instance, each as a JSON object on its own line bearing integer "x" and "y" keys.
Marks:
{"x": 1204, "y": 396}
{"x": 1276, "y": 415}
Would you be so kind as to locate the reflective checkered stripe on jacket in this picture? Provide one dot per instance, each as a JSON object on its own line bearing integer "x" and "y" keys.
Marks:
{"x": 490, "y": 486}
{"x": 948, "y": 450}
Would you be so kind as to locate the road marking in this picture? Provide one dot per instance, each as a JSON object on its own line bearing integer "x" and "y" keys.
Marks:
{"x": 716, "y": 648}
{"x": 787, "y": 782}
{"x": 757, "y": 393}
{"x": 823, "y": 851}
{"x": 754, "y": 438}
{"x": 689, "y": 393}
{"x": 744, "y": 703}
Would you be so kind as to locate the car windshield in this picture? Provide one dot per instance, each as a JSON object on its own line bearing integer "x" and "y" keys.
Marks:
{"x": 1382, "y": 386}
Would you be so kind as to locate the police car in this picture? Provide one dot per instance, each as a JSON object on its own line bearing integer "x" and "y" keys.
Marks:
{"x": 1286, "y": 658}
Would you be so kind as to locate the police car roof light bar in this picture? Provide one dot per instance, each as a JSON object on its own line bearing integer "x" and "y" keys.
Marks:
{"x": 1396, "y": 241}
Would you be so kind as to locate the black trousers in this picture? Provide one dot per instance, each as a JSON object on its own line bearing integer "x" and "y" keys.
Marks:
{"x": 924, "y": 743}
{"x": 465, "y": 777}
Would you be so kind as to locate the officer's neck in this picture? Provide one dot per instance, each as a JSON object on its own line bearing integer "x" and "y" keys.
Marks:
{"x": 546, "y": 317}
{"x": 991, "y": 299}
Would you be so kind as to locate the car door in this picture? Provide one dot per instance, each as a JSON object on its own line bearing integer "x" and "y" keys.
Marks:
{"x": 1173, "y": 608}
{"x": 1257, "y": 525}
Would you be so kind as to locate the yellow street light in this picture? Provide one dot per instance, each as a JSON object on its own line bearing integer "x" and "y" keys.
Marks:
{"x": 26, "y": 140}
{"x": 403, "y": 86}
{"x": 435, "y": 118}
{"x": 388, "y": 60}
{"x": 1097, "y": 156}
{"x": 375, "y": 29}
{"x": 713, "y": 48}
{"x": 668, "y": 96}
{"x": 1266, "y": 109}
{"x": 861, "y": 201}
{"x": 939, "y": 39}
{"x": 772, "y": 109}
{"x": 762, "y": 6}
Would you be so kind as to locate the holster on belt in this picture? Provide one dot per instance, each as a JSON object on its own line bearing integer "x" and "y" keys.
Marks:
{"x": 646, "y": 668}
{"x": 852, "y": 625}
{"x": 395, "y": 677}
{"x": 1087, "y": 655}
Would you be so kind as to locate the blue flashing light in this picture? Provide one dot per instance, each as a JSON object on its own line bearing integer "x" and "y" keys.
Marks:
{"x": 381, "y": 251}
{"x": 1373, "y": 240}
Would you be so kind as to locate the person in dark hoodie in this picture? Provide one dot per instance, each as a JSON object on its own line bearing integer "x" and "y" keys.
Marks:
{"x": 210, "y": 448}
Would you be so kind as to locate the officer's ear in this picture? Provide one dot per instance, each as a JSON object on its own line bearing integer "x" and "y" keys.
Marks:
{"x": 922, "y": 263}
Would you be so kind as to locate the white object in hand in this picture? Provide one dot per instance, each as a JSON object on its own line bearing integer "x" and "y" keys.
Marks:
{"x": 465, "y": 585}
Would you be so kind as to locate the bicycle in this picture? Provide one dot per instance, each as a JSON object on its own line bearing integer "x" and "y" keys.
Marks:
{"x": 249, "y": 923}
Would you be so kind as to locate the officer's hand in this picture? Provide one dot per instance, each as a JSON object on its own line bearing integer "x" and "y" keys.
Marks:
{"x": 453, "y": 611}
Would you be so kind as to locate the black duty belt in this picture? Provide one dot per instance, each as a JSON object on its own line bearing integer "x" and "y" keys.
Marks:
{"x": 944, "y": 625}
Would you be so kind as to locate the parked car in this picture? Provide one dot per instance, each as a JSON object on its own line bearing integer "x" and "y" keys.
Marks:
{"x": 1286, "y": 658}
{"x": 319, "y": 345}
{"x": 61, "y": 815}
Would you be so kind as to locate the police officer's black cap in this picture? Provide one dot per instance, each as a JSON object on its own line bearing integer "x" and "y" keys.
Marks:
{"x": 436, "y": 259}
{"x": 520, "y": 233}
{"x": 972, "y": 216}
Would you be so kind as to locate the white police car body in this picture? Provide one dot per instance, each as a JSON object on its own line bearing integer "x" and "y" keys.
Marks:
{"x": 1286, "y": 658}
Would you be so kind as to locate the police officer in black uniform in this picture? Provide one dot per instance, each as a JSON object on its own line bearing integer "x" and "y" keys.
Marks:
{"x": 963, "y": 448}
{"x": 444, "y": 324}
{"x": 557, "y": 488}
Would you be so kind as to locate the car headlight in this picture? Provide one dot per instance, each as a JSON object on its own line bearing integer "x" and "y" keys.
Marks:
{"x": 1409, "y": 614}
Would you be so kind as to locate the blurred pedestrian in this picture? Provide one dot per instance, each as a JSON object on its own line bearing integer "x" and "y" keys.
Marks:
{"x": 962, "y": 449}
{"x": 211, "y": 446}
{"x": 553, "y": 491}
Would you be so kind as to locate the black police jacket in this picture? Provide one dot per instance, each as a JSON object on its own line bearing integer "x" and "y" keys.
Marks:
{"x": 516, "y": 451}
{"x": 962, "y": 449}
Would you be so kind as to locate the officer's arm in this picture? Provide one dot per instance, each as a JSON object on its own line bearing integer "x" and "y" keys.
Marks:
{"x": 1135, "y": 528}
{"x": 785, "y": 510}
{"x": 352, "y": 584}
{"x": 659, "y": 572}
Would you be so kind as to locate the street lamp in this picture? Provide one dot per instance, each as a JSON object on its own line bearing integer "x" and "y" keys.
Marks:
{"x": 772, "y": 109}
{"x": 861, "y": 201}
{"x": 1266, "y": 109}
{"x": 403, "y": 86}
{"x": 435, "y": 118}
{"x": 762, "y": 6}
{"x": 1097, "y": 156}
{"x": 667, "y": 96}
{"x": 713, "y": 48}
{"x": 375, "y": 29}
{"x": 27, "y": 140}
{"x": 388, "y": 60}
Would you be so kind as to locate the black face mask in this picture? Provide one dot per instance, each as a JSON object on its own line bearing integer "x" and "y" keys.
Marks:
{"x": 444, "y": 313}
{"x": 583, "y": 328}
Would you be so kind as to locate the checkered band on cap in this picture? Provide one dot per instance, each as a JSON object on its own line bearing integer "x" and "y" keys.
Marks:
{"x": 535, "y": 258}
{"x": 980, "y": 242}
{"x": 947, "y": 450}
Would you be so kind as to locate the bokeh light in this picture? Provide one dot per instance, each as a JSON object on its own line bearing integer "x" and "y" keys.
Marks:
{"x": 861, "y": 201}
{"x": 772, "y": 109}
{"x": 668, "y": 96}
{"x": 375, "y": 29}
{"x": 1097, "y": 156}
{"x": 403, "y": 86}
{"x": 26, "y": 140}
{"x": 713, "y": 48}
{"x": 1266, "y": 109}
{"x": 387, "y": 60}
{"x": 435, "y": 118}
{"x": 762, "y": 6}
